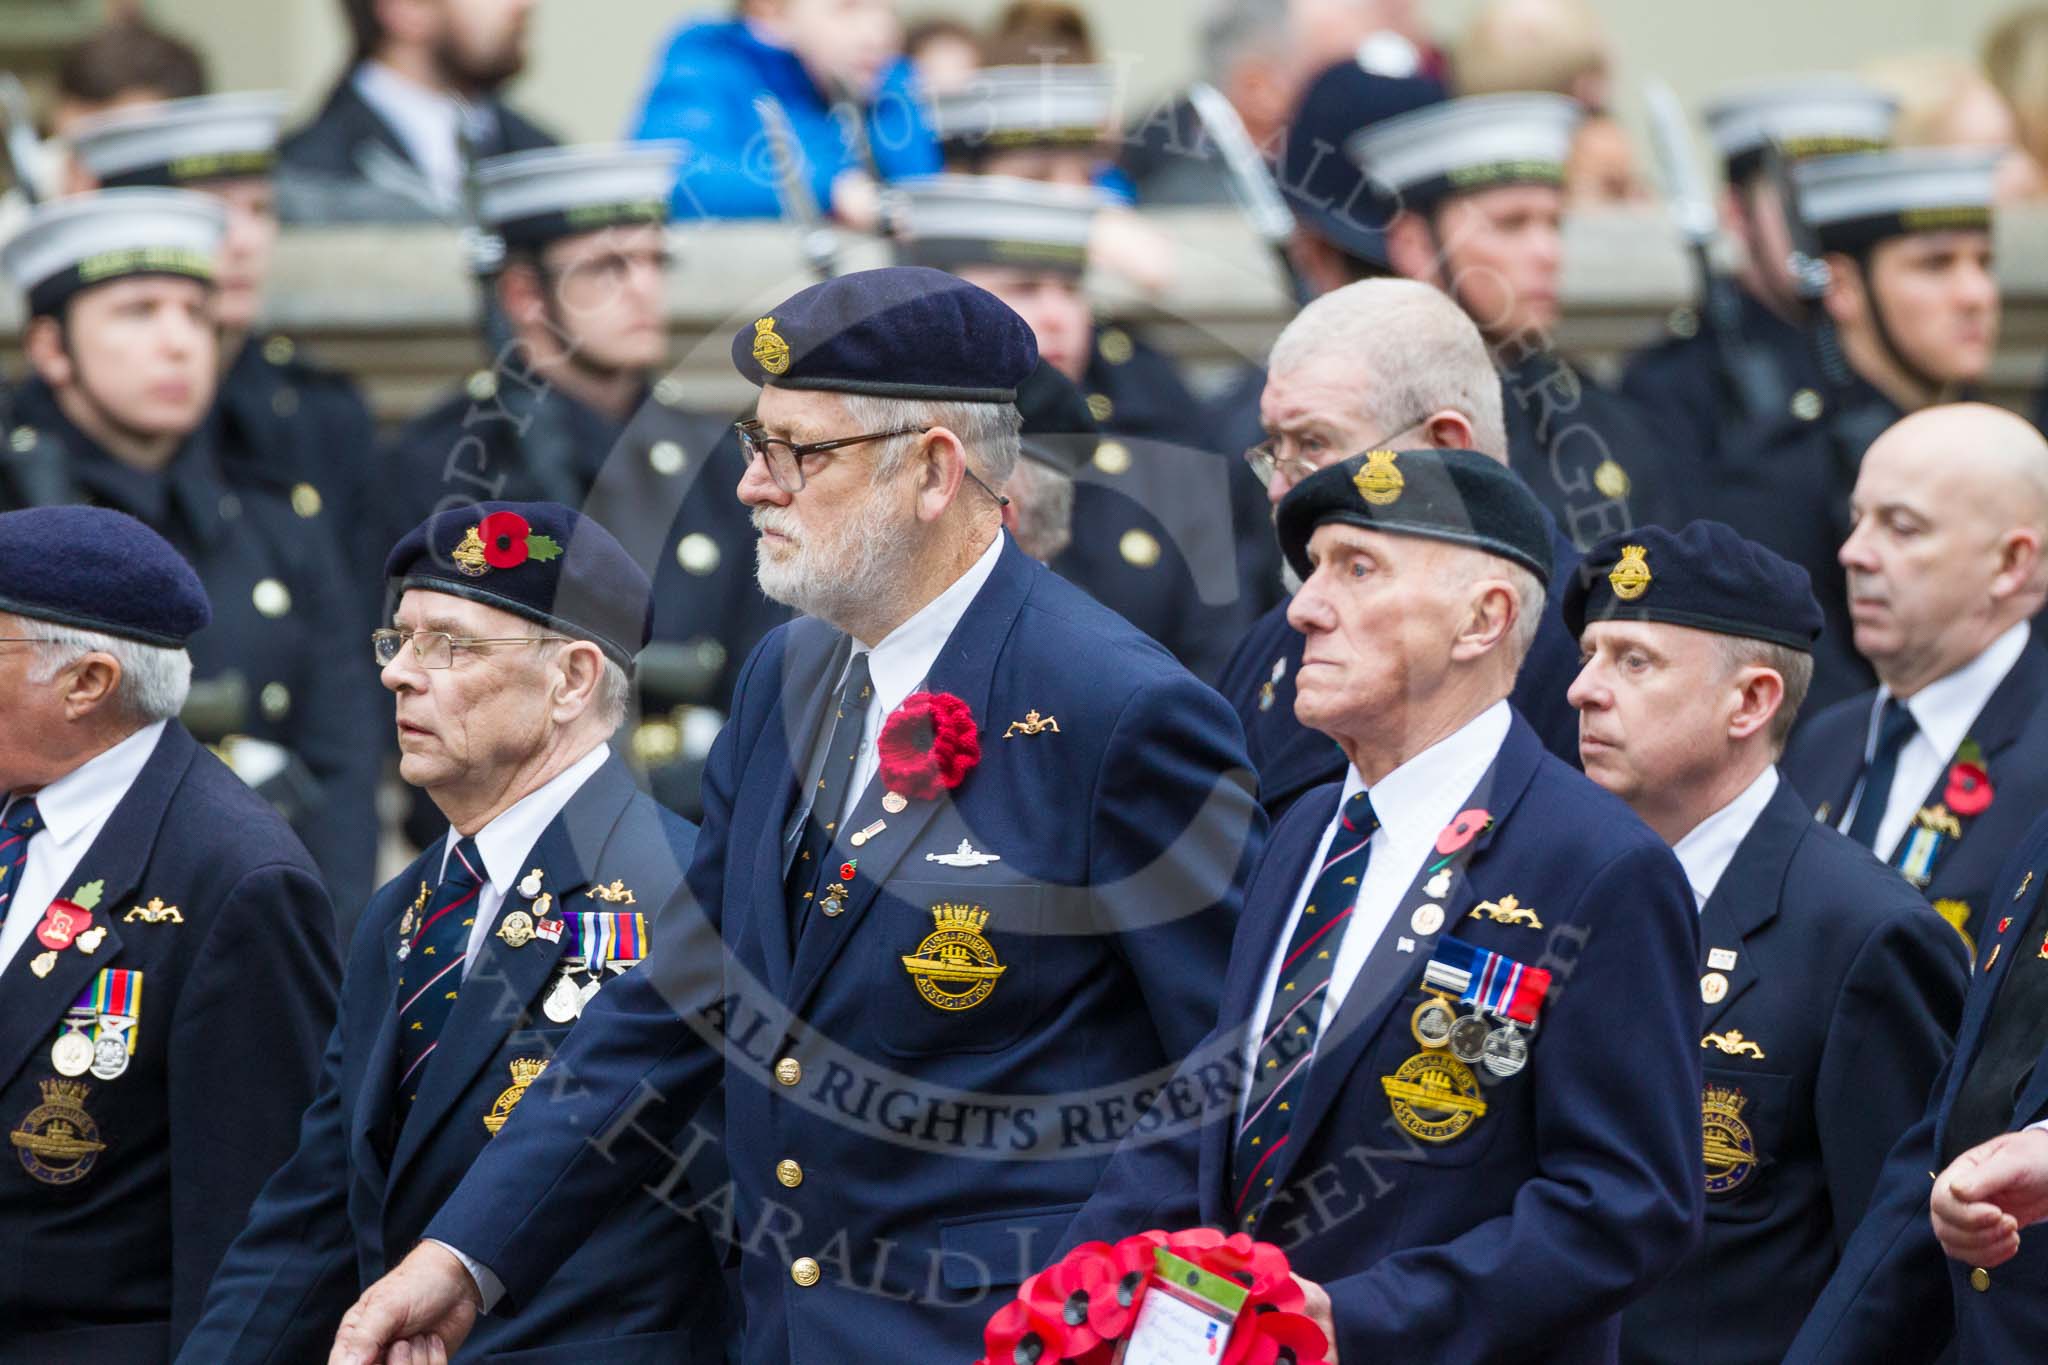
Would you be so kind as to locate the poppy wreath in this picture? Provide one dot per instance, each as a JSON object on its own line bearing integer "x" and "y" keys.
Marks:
{"x": 1969, "y": 786}
{"x": 1079, "y": 1308}
{"x": 510, "y": 541}
{"x": 929, "y": 744}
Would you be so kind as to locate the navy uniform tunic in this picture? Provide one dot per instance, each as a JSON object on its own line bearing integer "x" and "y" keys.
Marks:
{"x": 283, "y": 621}
{"x": 207, "y": 894}
{"x": 1589, "y": 455}
{"x": 1681, "y": 379}
{"x": 353, "y": 1199}
{"x": 1838, "y": 1010}
{"x": 898, "y": 1166}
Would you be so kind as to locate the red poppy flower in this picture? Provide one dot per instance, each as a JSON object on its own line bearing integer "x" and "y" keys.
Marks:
{"x": 1017, "y": 1335}
{"x": 1065, "y": 1292}
{"x": 1969, "y": 789}
{"x": 928, "y": 745}
{"x": 1111, "y": 1314}
{"x": 504, "y": 537}
{"x": 1463, "y": 830}
{"x": 1276, "y": 1339}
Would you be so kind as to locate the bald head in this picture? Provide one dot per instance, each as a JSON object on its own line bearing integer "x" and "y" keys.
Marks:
{"x": 1950, "y": 513}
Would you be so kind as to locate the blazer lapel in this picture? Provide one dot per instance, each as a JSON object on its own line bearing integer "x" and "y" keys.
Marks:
{"x": 1748, "y": 895}
{"x": 966, "y": 668}
{"x": 503, "y": 981}
{"x": 32, "y": 1006}
{"x": 809, "y": 676}
{"x": 371, "y": 1116}
{"x": 1388, "y": 972}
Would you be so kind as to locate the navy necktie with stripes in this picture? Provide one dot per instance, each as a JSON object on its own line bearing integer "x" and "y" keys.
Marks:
{"x": 20, "y": 824}
{"x": 1293, "y": 1017}
{"x": 431, "y": 976}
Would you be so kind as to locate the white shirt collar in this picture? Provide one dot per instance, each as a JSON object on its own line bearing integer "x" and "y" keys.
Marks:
{"x": 425, "y": 120}
{"x": 900, "y": 663}
{"x": 1946, "y": 708}
{"x": 84, "y": 797}
{"x": 1709, "y": 847}
{"x": 507, "y": 840}
{"x": 1416, "y": 800}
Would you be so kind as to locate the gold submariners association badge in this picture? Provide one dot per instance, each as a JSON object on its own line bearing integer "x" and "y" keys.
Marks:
{"x": 1731, "y": 1148}
{"x": 771, "y": 352}
{"x": 59, "y": 1142}
{"x": 1630, "y": 577}
{"x": 955, "y": 967}
{"x": 1379, "y": 481}
{"x": 1435, "y": 1096}
{"x": 525, "y": 1071}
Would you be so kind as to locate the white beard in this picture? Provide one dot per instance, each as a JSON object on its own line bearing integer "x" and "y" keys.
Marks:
{"x": 846, "y": 568}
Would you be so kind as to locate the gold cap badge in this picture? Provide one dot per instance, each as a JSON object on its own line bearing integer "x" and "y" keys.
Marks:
{"x": 469, "y": 555}
{"x": 1630, "y": 578}
{"x": 771, "y": 352}
{"x": 1379, "y": 482}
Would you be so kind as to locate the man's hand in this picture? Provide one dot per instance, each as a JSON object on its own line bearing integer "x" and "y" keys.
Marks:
{"x": 1317, "y": 1311}
{"x": 416, "y": 1315}
{"x": 1988, "y": 1194}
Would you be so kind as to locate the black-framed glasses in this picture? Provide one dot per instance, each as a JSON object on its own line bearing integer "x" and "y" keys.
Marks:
{"x": 1269, "y": 457}
{"x": 785, "y": 459}
{"x": 436, "y": 648}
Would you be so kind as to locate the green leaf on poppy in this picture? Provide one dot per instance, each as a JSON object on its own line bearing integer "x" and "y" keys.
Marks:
{"x": 543, "y": 547}
{"x": 1970, "y": 752}
{"x": 87, "y": 897}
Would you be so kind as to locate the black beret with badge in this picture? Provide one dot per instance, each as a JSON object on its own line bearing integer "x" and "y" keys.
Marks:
{"x": 84, "y": 240}
{"x": 1462, "y": 146}
{"x": 899, "y": 332}
{"x": 1852, "y": 202}
{"x": 535, "y": 197}
{"x": 182, "y": 142}
{"x": 1705, "y": 576}
{"x": 541, "y": 561}
{"x": 950, "y": 221}
{"x": 1820, "y": 115}
{"x": 1458, "y": 496}
{"x": 92, "y": 568}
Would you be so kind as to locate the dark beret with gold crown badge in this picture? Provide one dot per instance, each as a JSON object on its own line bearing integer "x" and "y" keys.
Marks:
{"x": 1705, "y": 576}
{"x": 902, "y": 332}
{"x": 1459, "y": 496}
{"x": 539, "y": 560}
{"x": 92, "y": 568}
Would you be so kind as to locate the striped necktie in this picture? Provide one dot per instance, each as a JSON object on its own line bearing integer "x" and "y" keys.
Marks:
{"x": 21, "y": 822}
{"x": 1293, "y": 1017}
{"x": 431, "y": 976}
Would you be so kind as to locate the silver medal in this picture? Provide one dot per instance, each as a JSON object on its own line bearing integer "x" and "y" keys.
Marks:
{"x": 71, "y": 1054}
{"x": 110, "y": 1057}
{"x": 564, "y": 1001}
{"x": 1507, "y": 1051}
{"x": 1468, "y": 1038}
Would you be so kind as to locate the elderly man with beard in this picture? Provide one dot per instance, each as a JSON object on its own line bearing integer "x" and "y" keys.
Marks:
{"x": 973, "y": 846}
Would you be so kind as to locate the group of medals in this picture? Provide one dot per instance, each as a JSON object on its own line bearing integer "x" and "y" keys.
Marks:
{"x": 98, "y": 1033}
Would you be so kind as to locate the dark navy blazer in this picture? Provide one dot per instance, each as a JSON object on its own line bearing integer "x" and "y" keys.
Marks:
{"x": 1842, "y": 1001}
{"x": 354, "y": 1198}
{"x": 237, "y": 992}
{"x": 1896, "y": 1297}
{"x": 1577, "y": 1190}
{"x": 898, "y": 1166}
{"x": 1825, "y": 759}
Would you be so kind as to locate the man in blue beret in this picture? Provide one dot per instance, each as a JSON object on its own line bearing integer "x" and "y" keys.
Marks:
{"x": 515, "y": 627}
{"x": 1831, "y": 992}
{"x": 167, "y": 961}
{"x": 1461, "y": 1001}
{"x": 972, "y": 845}
{"x": 1375, "y": 363}
{"x": 120, "y": 412}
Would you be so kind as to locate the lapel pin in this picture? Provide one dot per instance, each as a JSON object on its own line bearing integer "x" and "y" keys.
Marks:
{"x": 1405, "y": 944}
{"x": 1507, "y": 910}
{"x": 1721, "y": 959}
{"x": 964, "y": 856}
{"x": 89, "y": 941}
{"x": 1734, "y": 1044}
{"x": 1438, "y": 886}
{"x": 516, "y": 930}
{"x": 1033, "y": 724}
{"x": 1427, "y": 919}
{"x": 1713, "y": 988}
{"x": 156, "y": 912}
{"x": 1992, "y": 961}
{"x": 861, "y": 836}
{"x": 615, "y": 894}
{"x": 529, "y": 885}
{"x": 549, "y": 930}
{"x": 43, "y": 963}
{"x": 895, "y": 803}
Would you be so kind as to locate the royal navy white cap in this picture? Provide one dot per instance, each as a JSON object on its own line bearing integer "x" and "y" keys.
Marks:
{"x": 947, "y": 221}
{"x": 1049, "y": 105}
{"x": 1821, "y": 115}
{"x": 1855, "y": 200}
{"x": 553, "y": 192}
{"x": 77, "y": 242}
{"x": 182, "y": 142}
{"x": 1463, "y": 145}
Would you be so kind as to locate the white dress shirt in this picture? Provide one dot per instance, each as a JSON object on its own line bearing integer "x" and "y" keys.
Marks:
{"x": 1413, "y": 803}
{"x": 899, "y": 664}
{"x": 1943, "y": 712}
{"x": 509, "y": 838}
{"x": 74, "y": 809}
{"x": 1708, "y": 848}
{"x": 426, "y": 122}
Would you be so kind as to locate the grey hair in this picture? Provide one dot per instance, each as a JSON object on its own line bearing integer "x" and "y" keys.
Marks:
{"x": 1414, "y": 350}
{"x": 1793, "y": 666}
{"x": 1236, "y": 29}
{"x": 991, "y": 433}
{"x": 614, "y": 687}
{"x": 155, "y": 679}
{"x": 1044, "y": 501}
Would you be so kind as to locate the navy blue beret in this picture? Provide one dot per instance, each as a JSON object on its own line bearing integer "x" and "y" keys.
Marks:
{"x": 904, "y": 332}
{"x": 1325, "y": 188}
{"x": 1458, "y": 496}
{"x": 92, "y": 568}
{"x": 539, "y": 560}
{"x": 1705, "y": 576}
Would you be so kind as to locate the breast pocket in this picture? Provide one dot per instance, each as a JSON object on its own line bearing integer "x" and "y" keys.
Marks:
{"x": 1434, "y": 1108}
{"x": 952, "y": 967}
{"x": 1743, "y": 1122}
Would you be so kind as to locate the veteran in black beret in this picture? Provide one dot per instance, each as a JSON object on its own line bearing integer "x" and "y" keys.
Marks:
{"x": 967, "y": 834}
{"x": 297, "y": 427}
{"x": 1831, "y": 992}
{"x": 514, "y": 634}
{"x": 121, "y": 287}
{"x": 1431, "y": 975}
{"x": 167, "y": 962}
